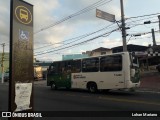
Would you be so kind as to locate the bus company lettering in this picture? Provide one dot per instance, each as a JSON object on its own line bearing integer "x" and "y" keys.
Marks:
{"x": 78, "y": 76}
{"x": 117, "y": 74}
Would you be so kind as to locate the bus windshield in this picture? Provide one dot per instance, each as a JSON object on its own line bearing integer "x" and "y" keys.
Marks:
{"x": 134, "y": 60}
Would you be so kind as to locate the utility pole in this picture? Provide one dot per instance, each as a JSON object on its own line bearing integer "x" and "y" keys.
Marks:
{"x": 159, "y": 22}
{"x": 123, "y": 28}
{"x": 2, "y": 66}
{"x": 153, "y": 37}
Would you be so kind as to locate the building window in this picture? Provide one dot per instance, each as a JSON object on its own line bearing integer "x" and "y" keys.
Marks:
{"x": 103, "y": 53}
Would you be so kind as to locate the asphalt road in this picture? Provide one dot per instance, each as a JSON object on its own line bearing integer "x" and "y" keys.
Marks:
{"x": 80, "y": 100}
{"x": 46, "y": 99}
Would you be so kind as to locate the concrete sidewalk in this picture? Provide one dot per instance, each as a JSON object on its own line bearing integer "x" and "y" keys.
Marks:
{"x": 150, "y": 81}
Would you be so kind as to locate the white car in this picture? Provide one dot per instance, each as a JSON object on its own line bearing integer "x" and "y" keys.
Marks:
{"x": 6, "y": 76}
{"x": 158, "y": 67}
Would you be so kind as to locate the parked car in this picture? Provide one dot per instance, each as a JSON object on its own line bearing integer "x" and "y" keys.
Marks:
{"x": 6, "y": 76}
{"x": 38, "y": 73}
{"x": 158, "y": 67}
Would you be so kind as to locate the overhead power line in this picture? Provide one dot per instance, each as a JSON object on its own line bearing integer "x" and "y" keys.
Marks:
{"x": 140, "y": 34}
{"x": 143, "y": 16}
{"x": 64, "y": 42}
{"x": 102, "y": 28}
{"x": 134, "y": 25}
{"x": 138, "y": 20}
{"x": 83, "y": 36}
{"x": 80, "y": 43}
{"x": 89, "y": 8}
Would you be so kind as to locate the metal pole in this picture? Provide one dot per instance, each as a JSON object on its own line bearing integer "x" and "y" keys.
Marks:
{"x": 153, "y": 37}
{"x": 123, "y": 28}
{"x": 2, "y": 66}
{"x": 159, "y": 22}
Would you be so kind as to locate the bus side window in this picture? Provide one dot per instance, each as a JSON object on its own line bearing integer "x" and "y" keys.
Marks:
{"x": 56, "y": 68}
{"x": 61, "y": 67}
{"x": 76, "y": 66}
{"x": 51, "y": 69}
{"x": 111, "y": 63}
{"x": 69, "y": 67}
{"x": 90, "y": 65}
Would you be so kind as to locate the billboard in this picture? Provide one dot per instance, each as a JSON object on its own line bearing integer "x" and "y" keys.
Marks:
{"x": 21, "y": 57}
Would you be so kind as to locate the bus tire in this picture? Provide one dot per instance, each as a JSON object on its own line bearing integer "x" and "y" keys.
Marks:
{"x": 106, "y": 90}
{"x": 53, "y": 86}
{"x": 132, "y": 90}
{"x": 92, "y": 87}
{"x": 67, "y": 88}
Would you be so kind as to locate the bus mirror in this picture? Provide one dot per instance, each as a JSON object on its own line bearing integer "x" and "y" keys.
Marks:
{"x": 133, "y": 72}
{"x": 133, "y": 54}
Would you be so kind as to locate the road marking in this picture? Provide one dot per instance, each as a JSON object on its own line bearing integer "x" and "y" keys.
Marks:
{"x": 129, "y": 101}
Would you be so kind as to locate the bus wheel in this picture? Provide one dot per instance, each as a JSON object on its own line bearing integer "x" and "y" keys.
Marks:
{"x": 92, "y": 87}
{"x": 53, "y": 86}
{"x": 132, "y": 90}
{"x": 106, "y": 90}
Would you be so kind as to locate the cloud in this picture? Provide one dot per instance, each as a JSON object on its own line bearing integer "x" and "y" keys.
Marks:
{"x": 73, "y": 6}
{"x": 4, "y": 20}
{"x": 43, "y": 17}
{"x": 47, "y": 12}
{"x": 109, "y": 43}
{"x": 43, "y": 12}
{"x": 52, "y": 36}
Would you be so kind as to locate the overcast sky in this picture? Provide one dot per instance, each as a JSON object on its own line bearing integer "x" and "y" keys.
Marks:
{"x": 48, "y": 12}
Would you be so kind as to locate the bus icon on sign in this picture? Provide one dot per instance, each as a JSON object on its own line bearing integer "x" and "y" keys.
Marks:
{"x": 24, "y": 14}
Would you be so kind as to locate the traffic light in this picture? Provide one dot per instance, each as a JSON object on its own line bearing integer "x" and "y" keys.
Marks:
{"x": 147, "y": 22}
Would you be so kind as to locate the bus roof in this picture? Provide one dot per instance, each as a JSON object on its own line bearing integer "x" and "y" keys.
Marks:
{"x": 92, "y": 57}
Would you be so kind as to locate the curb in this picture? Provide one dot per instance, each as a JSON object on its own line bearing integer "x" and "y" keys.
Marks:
{"x": 155, "y": 92}
{"x": 148, "y": 90}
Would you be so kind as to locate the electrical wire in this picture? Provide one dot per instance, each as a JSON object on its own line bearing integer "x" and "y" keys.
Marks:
{"x": 62, "y": 45}
{"x": 83, "y": 36}
{"x": 39, "y": 53}
{"x": 143, "y": 16}
{"x": 87, "y": 9}
{"x": 77, "y": 43}
{"x": 78, "y": 37}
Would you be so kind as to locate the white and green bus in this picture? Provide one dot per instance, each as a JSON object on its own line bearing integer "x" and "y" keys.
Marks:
{"x": 106, "y": 72}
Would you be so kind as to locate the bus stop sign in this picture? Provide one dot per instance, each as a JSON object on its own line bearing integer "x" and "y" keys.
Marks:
{"x": 21, "y": 57}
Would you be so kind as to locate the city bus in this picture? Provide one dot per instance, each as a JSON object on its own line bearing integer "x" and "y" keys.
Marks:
{"x": 118, "y": 71}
